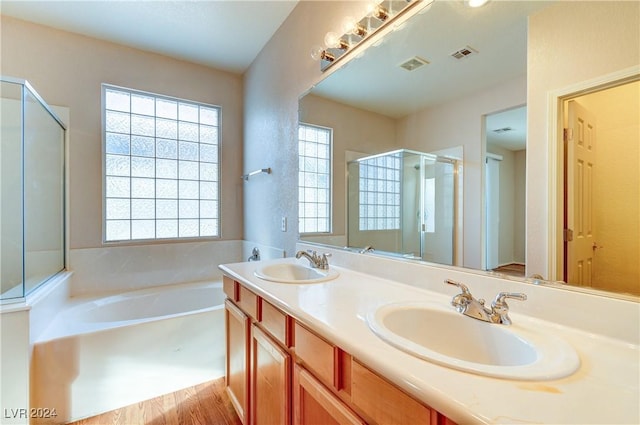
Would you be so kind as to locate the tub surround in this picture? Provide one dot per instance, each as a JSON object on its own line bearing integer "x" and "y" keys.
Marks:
{"x": 605, "y": 389}
{"x": 114, "y": 268}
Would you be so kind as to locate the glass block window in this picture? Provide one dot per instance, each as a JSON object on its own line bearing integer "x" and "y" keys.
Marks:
{"x": 380, "y": 193}
{"x": 161, "y": 173}
{"x": 314, "y": 179}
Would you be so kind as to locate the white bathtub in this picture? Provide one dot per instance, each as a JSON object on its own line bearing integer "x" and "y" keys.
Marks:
{"x": 99, "y": 354}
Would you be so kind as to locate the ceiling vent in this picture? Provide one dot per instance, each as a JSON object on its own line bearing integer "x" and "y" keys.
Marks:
{"x": 502, "y": 130}
{"x": 414, "y": 63}
{"x": 464, "y": 52}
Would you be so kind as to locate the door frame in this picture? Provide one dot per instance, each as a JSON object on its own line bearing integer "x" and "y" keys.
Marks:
{"x": 556, "y": 110}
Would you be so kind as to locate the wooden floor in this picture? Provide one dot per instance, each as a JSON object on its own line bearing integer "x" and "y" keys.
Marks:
{"x": 513, "y": 269}
{"x": 204, "y": 404}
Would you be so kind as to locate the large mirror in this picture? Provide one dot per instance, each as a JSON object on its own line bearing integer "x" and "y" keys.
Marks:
{"x": 450, "y": 85}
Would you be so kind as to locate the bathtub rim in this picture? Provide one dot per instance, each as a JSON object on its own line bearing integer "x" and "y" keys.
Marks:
{"x": 62, "y": 327}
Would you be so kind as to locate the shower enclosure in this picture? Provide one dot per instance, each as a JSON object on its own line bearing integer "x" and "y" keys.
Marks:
{"x": 32, "y": 139}
{"x": 403, "y": 202}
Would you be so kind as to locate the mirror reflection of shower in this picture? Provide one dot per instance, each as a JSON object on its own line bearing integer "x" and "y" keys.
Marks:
{"x": 31, "y": 190}
{"x": 404, "y": 202}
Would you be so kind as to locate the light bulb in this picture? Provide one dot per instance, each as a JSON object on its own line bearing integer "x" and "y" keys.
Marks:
{"x": 318, "y": 53}
{"x": 349, "y": 24}
{"x": 332, "y": 39}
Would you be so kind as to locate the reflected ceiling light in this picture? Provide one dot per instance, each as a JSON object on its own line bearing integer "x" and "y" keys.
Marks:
{"x": 477, "y": 3}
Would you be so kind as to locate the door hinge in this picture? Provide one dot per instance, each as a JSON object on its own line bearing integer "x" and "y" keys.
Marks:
{"x": 567, "y": 234}
{"x": 568, "y": 134}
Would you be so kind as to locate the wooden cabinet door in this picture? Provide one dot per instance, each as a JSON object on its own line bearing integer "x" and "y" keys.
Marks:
{"x": 237, "y": 361}
{"x": 270, "y": 381}
{"x": 313, "y": 404}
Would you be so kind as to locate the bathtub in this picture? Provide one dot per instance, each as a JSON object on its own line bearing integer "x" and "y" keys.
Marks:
{"x": 101, "y": 353}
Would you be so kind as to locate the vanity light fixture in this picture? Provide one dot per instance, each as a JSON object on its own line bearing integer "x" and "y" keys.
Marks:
{"x": 380, "y": 14}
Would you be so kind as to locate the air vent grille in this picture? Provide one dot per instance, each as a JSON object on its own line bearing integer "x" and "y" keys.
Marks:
{"x": 464, "y": 52}
{"x": 414, "y": 63}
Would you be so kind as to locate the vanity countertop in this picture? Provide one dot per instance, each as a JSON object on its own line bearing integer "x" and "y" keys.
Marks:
{"x": 604, "y": 390}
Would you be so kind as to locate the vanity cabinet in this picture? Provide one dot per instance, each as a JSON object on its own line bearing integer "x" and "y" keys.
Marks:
{"x": 281, "y": 372}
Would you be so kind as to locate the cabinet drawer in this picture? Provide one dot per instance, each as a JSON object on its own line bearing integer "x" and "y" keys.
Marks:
{"x": 229, "y": 288}
{"x": 274, "y": 321}
{"x": 248, "y": 302}
{"x": 315, "y": 353}
{"x": 383, "y": 402}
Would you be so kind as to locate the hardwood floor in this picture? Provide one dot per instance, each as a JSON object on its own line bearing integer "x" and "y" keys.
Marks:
{"x": 204, "y": 404}
{"x": 513, "y": 269}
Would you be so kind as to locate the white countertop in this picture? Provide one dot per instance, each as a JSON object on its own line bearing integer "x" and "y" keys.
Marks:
{"x": 604, "y": 390}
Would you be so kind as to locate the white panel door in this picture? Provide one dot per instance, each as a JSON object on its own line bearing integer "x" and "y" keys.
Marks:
{"x": 580, "y": 174}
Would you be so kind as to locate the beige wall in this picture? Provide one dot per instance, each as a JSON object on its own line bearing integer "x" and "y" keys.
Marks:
{"x": 568, "y": 43}
{"x": 617, "y": 187}
{"x": 68, "y": 69}
{"x": 512, "y": 206}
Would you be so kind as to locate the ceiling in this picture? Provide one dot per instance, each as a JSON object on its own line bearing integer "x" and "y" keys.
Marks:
{"x": 497, "y": 37}
{"x": 224, "y": 34}
{"x": 221, "y": 34}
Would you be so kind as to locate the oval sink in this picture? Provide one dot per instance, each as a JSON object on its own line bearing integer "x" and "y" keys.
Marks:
{"x": 446, "y": 337}
{"x": 294, "y": 273}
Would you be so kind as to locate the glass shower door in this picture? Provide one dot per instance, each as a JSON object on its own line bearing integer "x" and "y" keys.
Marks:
{"x": 438, "y": 209}
{"x": 43, "y": 193}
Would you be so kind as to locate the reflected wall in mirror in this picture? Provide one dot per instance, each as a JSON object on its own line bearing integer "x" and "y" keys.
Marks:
{"x": 505, "y": 175}
{"x": 375, "y": 106}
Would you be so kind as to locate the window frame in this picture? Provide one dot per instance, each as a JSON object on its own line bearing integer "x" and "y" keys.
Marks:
{"x": 217, "y": 181}
{"x": 329, "y": 231}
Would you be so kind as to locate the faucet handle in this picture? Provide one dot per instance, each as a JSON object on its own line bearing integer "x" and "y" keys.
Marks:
{"x": 462, "y": 286}
{"x": 500, "y": 308}
{"x": 502, "y": 296}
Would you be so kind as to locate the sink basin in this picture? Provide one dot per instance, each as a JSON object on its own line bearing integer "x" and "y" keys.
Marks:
{"x": 294, "y": 273}
{"x": 442, "y": 335}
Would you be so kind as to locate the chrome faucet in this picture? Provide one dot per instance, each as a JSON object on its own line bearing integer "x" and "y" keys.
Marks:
{"x": 366, "y": 249}
{"x": 255, "y": 255}
{"x": 316, "y": 260}
{"x": 466, "y": 304}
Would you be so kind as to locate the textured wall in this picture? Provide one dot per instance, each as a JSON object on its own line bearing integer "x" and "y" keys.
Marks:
{"x": 569, "y": 43}
{"x": 283, "y": 72}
